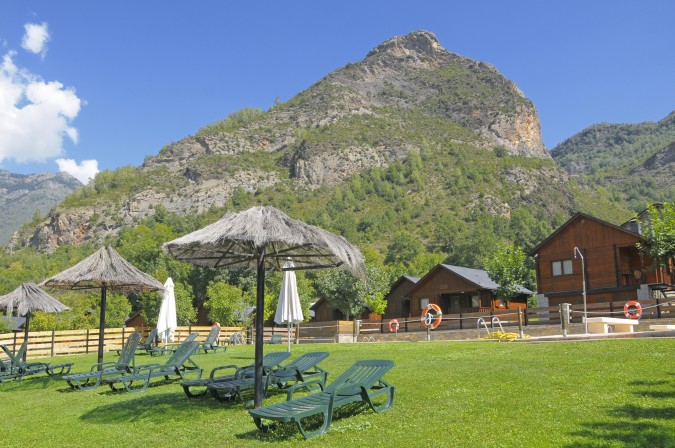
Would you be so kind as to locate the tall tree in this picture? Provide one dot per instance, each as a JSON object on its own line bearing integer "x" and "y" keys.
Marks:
{"x": 659, "y": 232}
{"x": 507, "y": 267}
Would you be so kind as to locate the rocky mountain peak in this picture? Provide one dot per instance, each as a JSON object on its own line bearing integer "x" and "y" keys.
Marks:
{"x": 418, "y": 45}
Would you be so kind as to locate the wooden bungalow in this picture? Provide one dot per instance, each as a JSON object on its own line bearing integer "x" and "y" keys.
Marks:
{"x": 398, "y": 302}
{"x": 324, "y": 311}
{"x": 615, "y": 270}
{"x": 457, "y": 289}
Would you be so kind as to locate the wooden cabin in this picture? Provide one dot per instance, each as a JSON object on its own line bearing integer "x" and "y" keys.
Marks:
{"x": 614, "y": 268}
{"x": 136, "y": 320}
{"x": 398, "y": 302}
{"x": 324, "y": 311}
{"x": 457, "y": 289}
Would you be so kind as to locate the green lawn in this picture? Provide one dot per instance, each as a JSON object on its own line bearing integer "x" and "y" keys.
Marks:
{"x": 617, "y": 393}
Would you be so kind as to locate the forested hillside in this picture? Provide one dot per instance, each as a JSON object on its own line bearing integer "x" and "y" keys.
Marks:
{"x": 635, "y": 163}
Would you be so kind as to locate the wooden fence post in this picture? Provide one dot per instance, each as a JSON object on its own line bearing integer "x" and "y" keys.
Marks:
{"x": 658, "y": 309}
{"x": 86, "y": 344}
{"x": 53, "y": 334}
{"x": 520, "y": 323}
{"x": 461, "y": 327}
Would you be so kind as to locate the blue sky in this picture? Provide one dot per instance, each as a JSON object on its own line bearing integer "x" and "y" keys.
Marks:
{"x": 112, "y": 82}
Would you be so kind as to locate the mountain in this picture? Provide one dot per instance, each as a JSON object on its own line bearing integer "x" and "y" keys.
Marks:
{"x": 634, "y": 162}
{"x": 24, "y": 197}
{"x": 411, "y": 139}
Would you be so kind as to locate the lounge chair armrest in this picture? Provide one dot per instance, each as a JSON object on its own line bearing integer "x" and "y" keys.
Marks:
{"x": 346, "y": 387}
{"x": 243, "y": 372}
{"x": 219, "y": 368}
{"x": 100, "y": 365}
{"x": 306, "y": 384}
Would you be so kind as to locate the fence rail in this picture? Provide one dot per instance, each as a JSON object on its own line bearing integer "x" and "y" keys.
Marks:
{"x": 43, "y": 344}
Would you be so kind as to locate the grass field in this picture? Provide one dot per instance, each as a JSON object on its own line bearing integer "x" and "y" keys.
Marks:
{"x": 614, "y": 393}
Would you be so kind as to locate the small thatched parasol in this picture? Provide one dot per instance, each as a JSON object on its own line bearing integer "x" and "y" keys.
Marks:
{"x": 28, "y": 298}
{"x": 108, "y": 271}
{"x": 263, "y": 237}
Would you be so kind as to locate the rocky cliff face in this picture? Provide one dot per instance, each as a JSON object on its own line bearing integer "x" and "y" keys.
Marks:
{"x": 21, "y": 196}
{"x": 411, "y": 73}
{"x": 405, "y": 93}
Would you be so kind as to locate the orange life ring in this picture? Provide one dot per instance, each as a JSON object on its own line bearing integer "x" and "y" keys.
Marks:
{"x": 434, "y": 321}
{"x": 393, "y": 325}
{"x": 636, "y": 305}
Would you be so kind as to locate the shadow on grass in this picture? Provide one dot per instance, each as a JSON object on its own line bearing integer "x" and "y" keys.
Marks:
{"x": 28, "y": 383}
{"x": 637, "y": 426}
{"x": 278, "y": 432}
{"x": 148, "y": 408}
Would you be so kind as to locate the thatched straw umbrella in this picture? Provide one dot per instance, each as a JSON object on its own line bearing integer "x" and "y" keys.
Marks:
{"x": 264, "y": 237}
{"x": 28, "y": 298}
{"x": 108, "y": 271}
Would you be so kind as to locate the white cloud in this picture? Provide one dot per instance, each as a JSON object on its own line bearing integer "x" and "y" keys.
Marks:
{"x": 35, "y": 116}
{"x": 84, "y": 171}
{"x": 35, "y": 39}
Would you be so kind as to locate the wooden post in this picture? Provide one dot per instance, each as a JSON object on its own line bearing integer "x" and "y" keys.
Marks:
{"x": 297, "y": 333}
{"x": 658, "y": 309}
{"x": 53, "y": 335}
{"x": 520, "y": 323}
{"x": 563, "y": 317}
{"x": 460, "y": 322}
{"x": 86, "y": 342}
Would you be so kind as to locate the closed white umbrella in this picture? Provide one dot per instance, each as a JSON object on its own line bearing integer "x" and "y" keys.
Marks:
{"x": 289, "y": 310}
{"x": 167, "y": 322}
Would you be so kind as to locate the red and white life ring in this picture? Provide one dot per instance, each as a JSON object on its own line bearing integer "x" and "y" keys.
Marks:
{"x": 626, "y": 309}
{"x": 393, "y": 325}
{"x": 428, "y": 320}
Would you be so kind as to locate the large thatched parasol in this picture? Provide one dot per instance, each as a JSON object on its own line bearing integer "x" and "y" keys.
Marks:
{"x": 28, "y": 298}
{"x": 264, "y": 237}
{"x": 108, "y": 271}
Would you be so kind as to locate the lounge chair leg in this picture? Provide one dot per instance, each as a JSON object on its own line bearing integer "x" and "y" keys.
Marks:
{"x": 259, "y": 424}
{"x": 190, "y": 394}
{"x": 327, "y": 418}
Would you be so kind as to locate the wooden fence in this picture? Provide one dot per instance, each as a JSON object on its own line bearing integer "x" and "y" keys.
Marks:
{"x": 69, "y": 342}
{"x": 651, "y": 309}
{"x": 42, "y": 344}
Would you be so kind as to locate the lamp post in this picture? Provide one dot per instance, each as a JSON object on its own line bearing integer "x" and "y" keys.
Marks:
{"x": 583, "y": 277}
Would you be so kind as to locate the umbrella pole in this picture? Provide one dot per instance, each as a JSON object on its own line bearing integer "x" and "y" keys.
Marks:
{"x": 289, "y": 337}
{"x": 25, "y": 335}
{"x": 259, "y": 323}
{"x": 101, "y": 327}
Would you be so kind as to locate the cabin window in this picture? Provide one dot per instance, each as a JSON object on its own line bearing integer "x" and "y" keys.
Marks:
{"x": 475, "y": 301}
{"x": 563, "y": 267}
{"x": 423, "y": 303}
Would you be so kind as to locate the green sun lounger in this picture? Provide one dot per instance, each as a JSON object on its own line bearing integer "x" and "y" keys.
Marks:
{"x": 270, "y": 361}
{"x": 301, "y": 369}
{"x": 362, "y": 382}
{"x": 29, "y": 368}
{"x": 210, "y": 343}
{"x": 92, "y": 379}
{"x": 178, "y": 365}
{"x": 170, "y": 348}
